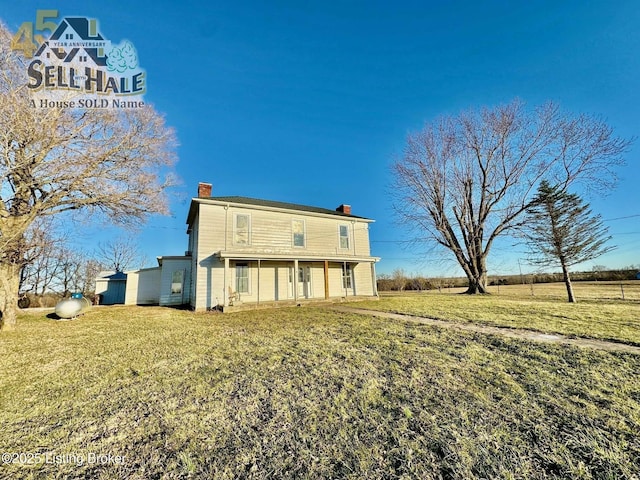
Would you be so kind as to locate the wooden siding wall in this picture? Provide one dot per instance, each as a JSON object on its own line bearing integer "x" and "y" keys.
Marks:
{"x": 143, "y": 287}
{"x": 168, "y": 267}
{"x": 271, "y": 233}
{"x": 210, "y": 271}
{"x": 362, "y": 279}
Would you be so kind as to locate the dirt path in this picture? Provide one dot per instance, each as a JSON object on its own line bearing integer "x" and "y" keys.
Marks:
{"x": 507, "y": 332}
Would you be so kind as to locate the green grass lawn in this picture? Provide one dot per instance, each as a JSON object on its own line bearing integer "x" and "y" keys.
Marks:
{"x": 514, "y": 307}
{"x": 309, "y": 393}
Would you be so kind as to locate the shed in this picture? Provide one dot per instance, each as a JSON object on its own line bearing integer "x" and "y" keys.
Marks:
{"x": 111, "y": 286}
{"x": 143, "y": 286}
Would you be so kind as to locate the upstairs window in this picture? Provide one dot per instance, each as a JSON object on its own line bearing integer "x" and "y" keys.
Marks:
{"x": 297, "y": 227}
{"x": 242, "y": 229}
{"x": 344, "y": 236}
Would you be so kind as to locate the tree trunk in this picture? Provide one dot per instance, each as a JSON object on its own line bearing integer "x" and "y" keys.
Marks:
{"x": 9, "y": 284}
{"x": 476, "y": 272}
{"x": 477, "y": 285}
{"x": 567, "y": 282}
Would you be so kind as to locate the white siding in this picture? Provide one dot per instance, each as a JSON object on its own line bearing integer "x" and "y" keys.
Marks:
{"x": 335, "y": 281}
{"x": 101, "y": 285}
{"x": 363, "y": 279}
{"x": 143, "y": 287}
{"x": 193, "y": 248}
{"x": 210, "y": 238}
{"x": 271, "y": 234}
{"x": 169, "y": 266}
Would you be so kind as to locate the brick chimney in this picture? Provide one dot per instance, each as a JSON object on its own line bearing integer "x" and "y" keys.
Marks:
{"x": 344, "y": 209}
{"x": 204, "y": 190}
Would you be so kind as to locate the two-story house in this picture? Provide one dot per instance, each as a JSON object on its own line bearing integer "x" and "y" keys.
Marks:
{"x": 250, "y": 251}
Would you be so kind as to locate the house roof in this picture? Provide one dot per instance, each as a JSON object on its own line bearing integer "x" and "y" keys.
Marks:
{"x": 271, "y": 204}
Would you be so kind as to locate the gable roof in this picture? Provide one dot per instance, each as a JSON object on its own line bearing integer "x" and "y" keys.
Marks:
{"x": 270, "y": 204}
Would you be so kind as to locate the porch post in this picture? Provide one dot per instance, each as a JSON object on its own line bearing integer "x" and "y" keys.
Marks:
{"x": 225, "y": 287}
{"x": 374, "y": 279}
{"x": 344, "y": 273}
{"x": 326, "y": 279}
{"x": 258, "y": 302}
{"x": 295, "y": 280}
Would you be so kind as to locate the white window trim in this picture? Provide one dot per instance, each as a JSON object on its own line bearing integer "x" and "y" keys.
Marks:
{"x": 348, "y": 247}
{"x": 290, "y": 282}
{"x": 235, "y": 229}
{"x": 304, "y": 233}
{"x": 306, "y": 269}
{"x": 235, "y": 278}
{"x": 182, "y": 275}
{"x": 350, "y": 276}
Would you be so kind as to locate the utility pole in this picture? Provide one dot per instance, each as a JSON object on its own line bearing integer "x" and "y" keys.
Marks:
{"x": 521, "y": 277}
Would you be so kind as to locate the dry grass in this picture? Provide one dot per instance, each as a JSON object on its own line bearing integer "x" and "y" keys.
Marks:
{"x": 598, "y": 314}
{"x": 585, "y": 291}
{"x": 309, "y": 393}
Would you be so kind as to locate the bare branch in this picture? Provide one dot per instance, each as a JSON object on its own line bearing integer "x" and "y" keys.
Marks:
{"x": 467, "y": 180}
{"x": 115, "y": 164}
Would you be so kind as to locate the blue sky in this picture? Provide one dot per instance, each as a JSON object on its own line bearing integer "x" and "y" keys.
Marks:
{"x": 310, "y": 102}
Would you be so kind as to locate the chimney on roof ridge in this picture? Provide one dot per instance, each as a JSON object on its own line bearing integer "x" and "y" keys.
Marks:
{"x": 346, "y": 209}
{"x": 204, "y": 190}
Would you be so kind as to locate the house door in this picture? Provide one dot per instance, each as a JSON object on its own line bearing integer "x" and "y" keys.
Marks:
{"x": 304, "y": 282}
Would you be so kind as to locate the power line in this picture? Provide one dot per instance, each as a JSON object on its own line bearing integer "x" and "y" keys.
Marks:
{"x": 621, "y": 218}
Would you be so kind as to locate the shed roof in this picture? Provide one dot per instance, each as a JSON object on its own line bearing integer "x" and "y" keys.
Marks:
{"x": 111, "y": 275}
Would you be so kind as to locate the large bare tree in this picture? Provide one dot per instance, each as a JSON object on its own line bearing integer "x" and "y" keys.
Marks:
{"x": 465, "y": 180}
{"x": 104, "y": 162}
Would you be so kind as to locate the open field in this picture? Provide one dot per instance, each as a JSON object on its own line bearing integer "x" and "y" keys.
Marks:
{"x": 583, "y": 290}
{"x": 598, "y": 313}
{"x": 308, "y": 393}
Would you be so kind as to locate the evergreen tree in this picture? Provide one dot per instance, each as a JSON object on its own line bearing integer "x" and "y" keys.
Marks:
{"x": 562, "y": 231}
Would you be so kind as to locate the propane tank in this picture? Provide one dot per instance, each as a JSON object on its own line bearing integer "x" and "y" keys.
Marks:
{"x": 72, "y": 307}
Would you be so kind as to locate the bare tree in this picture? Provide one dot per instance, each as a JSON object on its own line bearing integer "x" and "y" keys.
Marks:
{"x": 399, "y": 279}
{"x": 466, "y": 180}
{"x": 87, "y": 277}
{"x": 52, "y": 160}
{"x": 41, "y": 260}
{"x": 120, "y": 254}
{"x": 562, "y": 231}
{"x": 70, "y": 263}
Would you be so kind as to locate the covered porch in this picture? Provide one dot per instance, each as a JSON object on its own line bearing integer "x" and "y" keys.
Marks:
{"x": 251, "y": 280}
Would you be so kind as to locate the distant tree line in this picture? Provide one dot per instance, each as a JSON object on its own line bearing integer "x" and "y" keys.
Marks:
{"x": 400, "y": 281}
{"x": 52, "y": 269}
